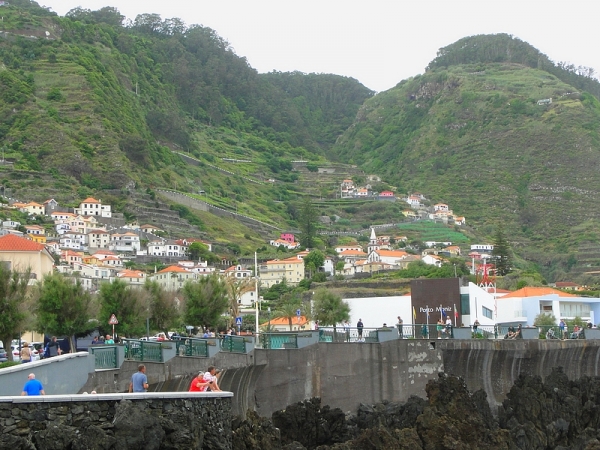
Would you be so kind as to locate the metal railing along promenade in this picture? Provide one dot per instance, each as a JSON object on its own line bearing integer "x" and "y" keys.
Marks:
{"x": 232, "y": 344}
{"x": 105, "y": 357}
{"x": 142, "y": 350}
{"x": 279, "y": 340}
{"x": 189, "y": 346}
{"x": 340, "y": 334}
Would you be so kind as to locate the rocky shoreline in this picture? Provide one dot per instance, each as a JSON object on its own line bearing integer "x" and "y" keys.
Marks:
{"x": 556, "y": 414}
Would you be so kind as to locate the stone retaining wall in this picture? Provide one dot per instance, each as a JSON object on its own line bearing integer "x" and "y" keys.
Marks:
{"x": 174, "y": 420}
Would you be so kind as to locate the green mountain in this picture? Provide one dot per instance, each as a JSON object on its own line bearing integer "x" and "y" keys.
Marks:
{"x": 478, "y": 131}
{"x": 90, "y": 106}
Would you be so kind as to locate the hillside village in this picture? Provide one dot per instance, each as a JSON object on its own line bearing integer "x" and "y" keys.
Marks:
{"x": 93, "y": 244}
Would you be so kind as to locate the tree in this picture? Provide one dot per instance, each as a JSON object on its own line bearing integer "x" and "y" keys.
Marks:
{"x": 313, "y": 261}
{"x": 307, "y": 222}
{"x": 162, "y": 305}
{"x": 205, "y": 301}
{"x": 63, "y": 308}
{"x": 329, "y": 309}
{"x": 13, "y": 293}
{"x": 288, "y": 307}
{"x": 236, "y": 288}
{"x": 126, "y": 304}
{"x": 544, "y": 320}
{"x": 501, "y": 253}
{"x": 339, "y": 266}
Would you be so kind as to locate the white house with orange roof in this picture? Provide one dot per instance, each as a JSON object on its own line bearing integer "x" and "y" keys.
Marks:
{"x": 440, "y": 207}
{"x": 125, "y": 242}
{"x": 36, "y": 233}
{"x": 33, "y": 209}
{"x": 432, "y": 260}
{"x": 459, "y": 220}
{"x": 392, "y": 257}
{"x": 71, "y": 257}
{"x": 112, "y": 261}
{"x": 351, "y": 256}
{"x": 61, "y": 215}
{"x": 134, "y": 278}
{"x": 285, "y": 244}
{"x": 347, "y": 188}
{"x": 148, "y": 228}
{"x": 92, "y": 207}
{"x": 22, "y": 253}
{"x": 173, "y": 278}
{"x": 355, "y": 246}
{"x": 523, "y": 305}
{"x": 274, "y": 271}
{"x": 414, "y": 200}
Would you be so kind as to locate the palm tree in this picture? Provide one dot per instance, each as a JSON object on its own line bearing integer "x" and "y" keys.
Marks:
{"x": 330, "y": 309}
{"x": 288, "y": 308}
{"x": 236, "y": 287}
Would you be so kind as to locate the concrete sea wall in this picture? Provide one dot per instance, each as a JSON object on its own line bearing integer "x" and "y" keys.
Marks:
{"x": 146, "y": 420}
{"x": 494, "y": 366}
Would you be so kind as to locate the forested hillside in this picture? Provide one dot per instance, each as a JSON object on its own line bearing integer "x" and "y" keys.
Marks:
{"x": 479, "y": 132}
{"x": 99, "y": 101}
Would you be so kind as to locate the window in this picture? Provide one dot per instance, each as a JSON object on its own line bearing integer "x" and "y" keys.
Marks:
{"x": 487, "y": 312}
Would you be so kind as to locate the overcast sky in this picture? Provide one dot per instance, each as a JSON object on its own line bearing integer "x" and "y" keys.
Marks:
{"x": 378, "y": 42}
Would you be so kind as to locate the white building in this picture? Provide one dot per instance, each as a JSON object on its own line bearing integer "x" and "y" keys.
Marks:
{"x": 125, "y": 242}
{"x": 523, "y": 305}
{"x": 173, "y": 278}
{"x": 92, "y": 207}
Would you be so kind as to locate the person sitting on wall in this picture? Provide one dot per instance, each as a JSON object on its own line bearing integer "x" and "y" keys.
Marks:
{"x": 510, "y": 334}
{"x": 518, "y": 333}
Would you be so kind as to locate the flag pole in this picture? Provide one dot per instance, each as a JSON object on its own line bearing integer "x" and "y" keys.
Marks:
{"x": 455, "y": 315}
{"x": 427, "y": 314}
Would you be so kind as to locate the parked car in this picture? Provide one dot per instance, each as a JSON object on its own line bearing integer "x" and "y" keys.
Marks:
{"x": 3, "y": 355}
{"x": 16, "y": 352}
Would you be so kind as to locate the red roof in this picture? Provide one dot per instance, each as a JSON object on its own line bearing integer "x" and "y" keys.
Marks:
{"x": 14, "y": 243}
{"x": 90, "y": 200}
{"x": 530, "y": 291}
{"x": 173, "y": 269}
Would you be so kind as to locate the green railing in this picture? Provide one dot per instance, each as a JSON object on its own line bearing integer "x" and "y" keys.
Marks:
{"x": 105, "y": 357}
{"x": 233, "y": 344}
{"x": 143, "y": 350}
{"x": 340, "y": 334}
{"x": 192, "y": 347}
{"x": 279, "y": 340}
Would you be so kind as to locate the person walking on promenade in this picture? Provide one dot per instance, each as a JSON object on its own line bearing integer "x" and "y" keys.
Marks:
{"x": 399, "y": 325}
{"x": 139, "y": 380}
{"x": 25, "y": 353}
{"x": 33, "y": 387}
{"x": 54, "y": 348}
{"x": 359, "y": 328}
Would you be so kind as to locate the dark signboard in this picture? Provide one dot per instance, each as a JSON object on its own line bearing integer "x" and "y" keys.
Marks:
{"x": 440, "y": 297}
